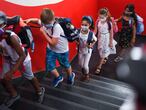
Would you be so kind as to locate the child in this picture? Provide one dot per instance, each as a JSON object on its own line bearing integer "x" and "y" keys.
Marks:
{"x": 85, "y": 46}
{"x": 106, "y": 43}
{"x": 57, "y": 47}
{"x": 15, "y": 58}
{"x": 128, "y": 32}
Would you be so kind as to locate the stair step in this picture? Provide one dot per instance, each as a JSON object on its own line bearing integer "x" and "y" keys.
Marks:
{"x": 111, "y": 81}
{"x": 26, "y": 104}
{"x": 54, "y": 101}
{"x": 87, "y": 92}
{"x": 99, "y": 88}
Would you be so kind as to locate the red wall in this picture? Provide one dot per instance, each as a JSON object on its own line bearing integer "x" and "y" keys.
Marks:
{"x": 68, "y": 8}
{"x": 116, "y": 7}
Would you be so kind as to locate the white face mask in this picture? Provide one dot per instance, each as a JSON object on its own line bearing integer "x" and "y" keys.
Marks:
{"x": 103, "y": 19}
{"x": 84, "y": 28}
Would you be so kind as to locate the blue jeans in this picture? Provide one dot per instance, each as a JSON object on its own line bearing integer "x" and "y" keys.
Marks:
{"x": 51, "y": 58}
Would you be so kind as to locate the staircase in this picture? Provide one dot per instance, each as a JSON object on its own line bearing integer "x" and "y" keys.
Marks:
{"x": 100, "y": 93}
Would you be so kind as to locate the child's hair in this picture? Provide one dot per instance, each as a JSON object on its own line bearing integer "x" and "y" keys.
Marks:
{"x": 105, "y": 12}
{"x": 89, "y": 19}
{"x": 131, "y": 8}
{"x": 47, "y": 15}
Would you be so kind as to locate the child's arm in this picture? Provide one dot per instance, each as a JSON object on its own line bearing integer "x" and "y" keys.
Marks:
{"x": 32, "y": 20}
{"x": 133, "y": 34}
{"x": 118, "y": 20}
{"x": 96, "y": 29}
{"x": 51, "y": 40}
{"x": 111, "y": 37}
{"x": 15, "y": 45}
{"x": 94, "y": 41}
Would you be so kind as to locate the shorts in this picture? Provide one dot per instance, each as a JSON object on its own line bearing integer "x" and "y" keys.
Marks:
{"x": 51, "y": 58}
{"x": 25, "y": 69}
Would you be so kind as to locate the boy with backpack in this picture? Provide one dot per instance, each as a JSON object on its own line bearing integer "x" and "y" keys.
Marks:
{"x": 85, "y": 42}
{"x": 57, "y": 47}
{"x": 15, "y": 58}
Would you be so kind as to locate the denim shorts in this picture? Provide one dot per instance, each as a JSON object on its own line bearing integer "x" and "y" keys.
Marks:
{"x": 51, "y": 58}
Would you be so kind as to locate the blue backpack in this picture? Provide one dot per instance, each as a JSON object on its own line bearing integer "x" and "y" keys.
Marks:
{"x": 140, "y": 25}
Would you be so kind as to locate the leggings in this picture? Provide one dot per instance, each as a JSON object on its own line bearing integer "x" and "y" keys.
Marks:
{"x": 84, "y": 61}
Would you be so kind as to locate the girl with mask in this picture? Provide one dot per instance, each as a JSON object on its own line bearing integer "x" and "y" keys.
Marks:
{"x": 86, "y": 42}
{"x": 127, "y": 34}
{"x": 106, "y": 43}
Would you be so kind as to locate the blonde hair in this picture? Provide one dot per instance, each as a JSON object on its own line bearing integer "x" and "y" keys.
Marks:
{"x": 105, "y": 11}
{"x": 47, "y": 15}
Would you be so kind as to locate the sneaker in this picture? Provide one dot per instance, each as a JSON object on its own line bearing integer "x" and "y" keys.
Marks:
{"x": 71, "y": 79}
{"x": 118, "y": 59}
{"x": 57, "y": 81}
{"x": 40, "y": 96}
{"x": 11, "y": 100}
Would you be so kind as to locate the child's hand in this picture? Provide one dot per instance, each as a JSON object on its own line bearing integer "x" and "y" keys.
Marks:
{"x": 27, "y": 21}
{"x": 111, "y": 45}
{"x": 90, "y": 45}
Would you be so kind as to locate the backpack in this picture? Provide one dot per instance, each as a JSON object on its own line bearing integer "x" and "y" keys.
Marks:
{"x": 89, "y": 40}
{"x": 140, "y": 25}
{"x": 115, "y": 26}
{"x": 23, "y": 31}
{"x": 71, "y": 33}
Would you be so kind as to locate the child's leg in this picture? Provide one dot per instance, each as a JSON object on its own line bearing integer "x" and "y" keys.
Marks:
{"x": 5, "y": 81}
{"x": 51, "y": 63}
{"x": 122, "y": 54}
{"x": 101, "y": 60}
{"x": 85, "y": 75}
{"x": 28, "y": 74}
{"x": 7, "y": 84}
{"x": 86, "y": 63}
{"x": 81, "y": 59}
{"x": 64, "y": 61}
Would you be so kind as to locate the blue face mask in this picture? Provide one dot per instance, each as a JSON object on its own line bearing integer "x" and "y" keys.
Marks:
{"x": 48, "y": 26}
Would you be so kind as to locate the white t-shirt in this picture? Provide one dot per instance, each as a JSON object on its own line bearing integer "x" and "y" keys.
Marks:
{"x": 10, "y": 52}
{"x": 62, "y": 45}
{"x": 83, "y": 49}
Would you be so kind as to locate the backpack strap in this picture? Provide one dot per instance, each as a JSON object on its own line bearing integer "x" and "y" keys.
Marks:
{"x": 90, "y": 37}
{"x": 52, "y": 29}
{"x": 109, "y": 25}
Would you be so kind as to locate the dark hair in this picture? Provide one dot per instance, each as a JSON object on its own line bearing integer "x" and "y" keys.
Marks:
{"x": 89, "y": 19}
{"x": 47, "y": 15}
{"x": 131, "y": 8}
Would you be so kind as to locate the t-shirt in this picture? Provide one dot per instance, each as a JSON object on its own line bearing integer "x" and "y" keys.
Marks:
{"x": 10, "y": 52}
{"x": 62, "y": 45}
{"x": 83, "y": 43}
